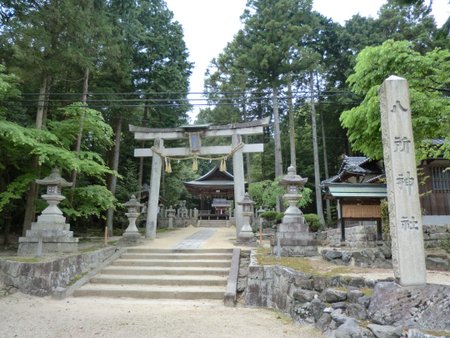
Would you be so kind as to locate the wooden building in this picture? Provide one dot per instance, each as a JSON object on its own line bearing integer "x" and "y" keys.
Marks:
{"x": 435, "y": 188}
{"x": 358, "y": 190}
{"x": 215, "y": 190}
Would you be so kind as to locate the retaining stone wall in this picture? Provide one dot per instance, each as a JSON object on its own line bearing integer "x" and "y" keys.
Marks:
{"x": 343, "y": 306}
{"x": 365, "y": 235}
{"x": 355, "y": 236}
{"x": 43, "y": 278}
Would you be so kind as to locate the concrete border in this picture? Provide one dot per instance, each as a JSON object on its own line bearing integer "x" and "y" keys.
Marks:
{"x": 229, "y": 298}
{"x": 62, "y": 293}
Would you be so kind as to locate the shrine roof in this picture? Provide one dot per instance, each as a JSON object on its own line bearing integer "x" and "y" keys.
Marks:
{"x": 365, "y": 169}
{"x": 346, "y": 190}
{"x": 213, "y": 179}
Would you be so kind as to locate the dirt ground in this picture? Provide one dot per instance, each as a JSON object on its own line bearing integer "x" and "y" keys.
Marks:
{"x": 27, "y": 316}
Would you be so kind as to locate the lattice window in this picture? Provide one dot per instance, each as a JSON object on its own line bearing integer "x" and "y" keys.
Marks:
{"x": 440, "y": 179}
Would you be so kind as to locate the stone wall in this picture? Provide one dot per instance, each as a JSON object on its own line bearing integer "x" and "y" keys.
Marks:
{"x": 347, "y": 306}
{"x": 365, "y": 235}
{"x": 43, "y": 278}
{"x": 433, "y": 235}
{"x": 355, "y": 236}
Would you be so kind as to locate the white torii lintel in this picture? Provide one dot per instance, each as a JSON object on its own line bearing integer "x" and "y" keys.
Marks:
{"x": 204, "y": 151}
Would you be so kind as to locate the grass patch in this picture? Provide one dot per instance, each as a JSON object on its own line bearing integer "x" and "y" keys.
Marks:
{"x": 162, "y": 230}
{"x": 26, "y": 259}
{"x": 301, "y": 264}
{"x": 367, "y": 291}
{"x": 76, "y": 278}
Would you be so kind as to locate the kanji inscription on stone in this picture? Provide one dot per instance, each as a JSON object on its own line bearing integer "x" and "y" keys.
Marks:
{"x": 405, "y": 217}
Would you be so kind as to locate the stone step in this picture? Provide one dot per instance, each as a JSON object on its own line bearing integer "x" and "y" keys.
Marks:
{"x": 172, "y": 263}
{"x": 180, "y": 256}
{"x": 187, "y": 251}
{"x": 210, "y": 223}
{"x": 152, "y": 270}
{"x": 160, "y": 280}
{"x": 151, "y": 291}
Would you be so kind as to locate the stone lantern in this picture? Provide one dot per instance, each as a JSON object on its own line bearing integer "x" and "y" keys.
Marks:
{"x": 246, "y": 234}
{"x": 131, "y": 235}
{"x": 293, "y": 237}
{"x": 293, "y": 184}
{"x": 50, "y": 233}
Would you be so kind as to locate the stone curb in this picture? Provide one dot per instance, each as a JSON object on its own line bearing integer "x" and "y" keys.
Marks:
{"x": 229, "y": 298}
{"x": 62, "y": 293}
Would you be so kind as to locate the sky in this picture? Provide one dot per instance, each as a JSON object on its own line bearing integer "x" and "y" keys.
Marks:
{"x": 208, "y": 26}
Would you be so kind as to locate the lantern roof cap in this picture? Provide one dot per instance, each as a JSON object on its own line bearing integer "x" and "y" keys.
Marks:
{"x": 246, "y": 200}
{"x": 292, "y": 178}
{"x": 133, "y": 202}
{"x": 54, "y": 179}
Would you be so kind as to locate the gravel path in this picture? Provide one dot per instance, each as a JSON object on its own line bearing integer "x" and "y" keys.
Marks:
{"x": 27, "y": 316}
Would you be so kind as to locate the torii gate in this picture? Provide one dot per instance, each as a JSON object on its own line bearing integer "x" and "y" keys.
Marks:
{"x": 195, "y": 133}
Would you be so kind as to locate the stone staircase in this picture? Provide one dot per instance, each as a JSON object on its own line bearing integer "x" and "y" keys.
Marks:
{"x": 163, "y": 274}
{"x": 212, "y": 223}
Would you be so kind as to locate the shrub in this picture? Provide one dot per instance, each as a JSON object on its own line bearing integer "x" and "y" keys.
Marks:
{"x": 313, "y": 221}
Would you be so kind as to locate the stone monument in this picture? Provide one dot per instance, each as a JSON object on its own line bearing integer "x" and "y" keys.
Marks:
{"x": 293, "y": 237}
{"x": 405, "y": 217}
{"x": 131, "y": 236}
{"x": 51, "y": 232}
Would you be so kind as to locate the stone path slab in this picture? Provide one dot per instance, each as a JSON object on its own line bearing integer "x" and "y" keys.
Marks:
{"x": 196, "y": 240}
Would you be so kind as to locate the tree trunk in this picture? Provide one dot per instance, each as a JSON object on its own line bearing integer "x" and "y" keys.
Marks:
{"x": 319, "y": 206}
{"x": 325, "y": 159}
{"x": 291, "y": 125}
{"x": 277, "y": 136}
{"x": 115, "y": 166}
{"x": 141, "y": 159}
{"x": 30, "y": 206}
{"x": 84, "y": 96}
{"x": 325, "y": 164}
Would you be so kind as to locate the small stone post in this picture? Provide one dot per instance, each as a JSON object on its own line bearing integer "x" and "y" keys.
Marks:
{"x": 405, "y": 217}
{"x": 246, "y": 234}
{"x": 171, "y": 216}
{"x": 131, "y": 235}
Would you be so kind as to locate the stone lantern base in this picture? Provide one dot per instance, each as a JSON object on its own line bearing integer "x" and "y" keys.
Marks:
{"x": 131, "y": 239}
{"x": 294, "y": 240}
{"x": 48, "y": 238}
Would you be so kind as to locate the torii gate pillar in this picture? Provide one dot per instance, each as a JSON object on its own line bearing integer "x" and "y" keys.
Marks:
{"x": 239, "y": 182}
{"x": 155, "y": 184}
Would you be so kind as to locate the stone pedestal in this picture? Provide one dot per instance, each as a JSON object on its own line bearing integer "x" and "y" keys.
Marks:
{"x": 293, "y": 240}
{"x": 50, "y": 233}
{"x": 293, "y": 237}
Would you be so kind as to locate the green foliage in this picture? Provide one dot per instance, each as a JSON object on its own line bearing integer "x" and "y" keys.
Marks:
{"x": 97, "y": 131}
{"x": 15, "y": 190}
{"x": 429, "y": 106}
{"x": 90, "y": 200}
{"x": 271, "y": 215}
{"x": 313, "y": 221}
{"x": 265, "y": 194}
